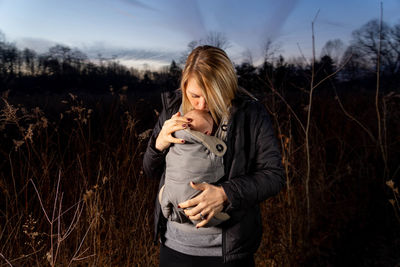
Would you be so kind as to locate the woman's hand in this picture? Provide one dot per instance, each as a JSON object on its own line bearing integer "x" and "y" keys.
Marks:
{"x": 206, "y": 204}
{"x": 174, "y": 124}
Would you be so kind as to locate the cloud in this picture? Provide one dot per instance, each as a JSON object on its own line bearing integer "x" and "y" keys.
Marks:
{"x": 137, "y": 58}
{"x": 185, "y": 16}
{"x": 130, "y": 54}
{"x": 131, "y": 3}
{"x": 333, "y": 23}
{"x": 250, "y": 25}
{"x": 138, "y": 4}
{"x": 38, "y": 44}
{"x": 178, "y": 17}
{"x": 278, "y": 16}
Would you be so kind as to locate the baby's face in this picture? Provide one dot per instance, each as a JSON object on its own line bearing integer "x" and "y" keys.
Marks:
{"x": 201, "y": 121}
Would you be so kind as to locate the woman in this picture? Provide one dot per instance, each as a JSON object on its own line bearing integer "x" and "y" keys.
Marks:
{"x": 252, "y": 163}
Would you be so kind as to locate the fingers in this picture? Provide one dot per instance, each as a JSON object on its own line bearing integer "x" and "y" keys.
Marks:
{"x": 170, "y": 126}
{"x": 194, "y": 214}
{"x": 172, "y": 139}
{"x": 178, "y": 114}
{"x": 189, "y": 203}
{"x": 199, "y": 186}
{"x": 177, "y": 117}
{"x": 207, "y": 219}
{"x": 205, "y": 205}
{"x": 175, "y": 122}
{"x": 202, "y": 214}
{"x": 196, "y": 200}
{"x": 176, "y": 127}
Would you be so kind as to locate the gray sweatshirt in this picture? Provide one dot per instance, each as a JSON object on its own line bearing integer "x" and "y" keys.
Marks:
{"x": 199, "y": 159}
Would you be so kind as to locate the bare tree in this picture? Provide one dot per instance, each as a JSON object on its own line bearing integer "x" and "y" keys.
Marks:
{"x": 270, "y": 51}
{"x": 78, "y": 59}
{"x": 247, "y": 56}
{"x": 394, "y": 43}
{"x": 334, "y": 49}
{"x": 60, "y": 52}
{"x": 370, "y": 37}
{"x": 29, "y": 58}
{"x": 217, "y": 39}
{"x": 8, "y": 58}
{"x": 2, "y": 37}
{"x": 356, "y": 66}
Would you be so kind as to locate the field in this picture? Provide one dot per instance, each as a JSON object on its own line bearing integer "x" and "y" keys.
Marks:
{"x": 74, "y": 193}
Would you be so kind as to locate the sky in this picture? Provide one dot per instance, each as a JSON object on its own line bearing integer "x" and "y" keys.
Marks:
{"x": 152, "y": 33}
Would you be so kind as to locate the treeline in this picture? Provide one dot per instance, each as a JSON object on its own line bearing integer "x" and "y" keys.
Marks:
{"x": 64, "y": 69}
{"x": 355, "y": 64}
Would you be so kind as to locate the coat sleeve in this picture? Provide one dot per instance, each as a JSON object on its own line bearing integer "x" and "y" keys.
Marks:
{"x": 265, "y": 177}
{"x": 153, "y": 159}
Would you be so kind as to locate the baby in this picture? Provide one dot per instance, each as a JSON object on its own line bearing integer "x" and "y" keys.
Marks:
{"x": 201, "y": 121}
{"x": 199, "y": 159}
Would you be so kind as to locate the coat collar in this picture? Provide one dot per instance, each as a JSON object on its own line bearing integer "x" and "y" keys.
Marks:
{"x": 171, "y": 100}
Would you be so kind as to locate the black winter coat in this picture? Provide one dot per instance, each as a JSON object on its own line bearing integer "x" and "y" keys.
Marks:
{"x": 253, "y": 171}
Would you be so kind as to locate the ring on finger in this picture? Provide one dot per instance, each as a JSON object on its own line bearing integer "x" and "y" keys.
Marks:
{"x": 202, "y": 217}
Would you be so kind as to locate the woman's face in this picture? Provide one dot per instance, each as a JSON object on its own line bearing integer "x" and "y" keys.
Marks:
{"x": 195, "y": 95}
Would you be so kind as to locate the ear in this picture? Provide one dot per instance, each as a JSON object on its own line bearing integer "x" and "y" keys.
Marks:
{"x": 207, "y": 132}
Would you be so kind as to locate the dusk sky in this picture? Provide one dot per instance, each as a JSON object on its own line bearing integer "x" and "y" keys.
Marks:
{"x": 155, "y": 32}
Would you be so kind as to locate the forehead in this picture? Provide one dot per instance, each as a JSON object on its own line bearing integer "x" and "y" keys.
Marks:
{"x": 199, "y": 116}
{"x": 194, "y": 114}
{"x": 193, "y": 87}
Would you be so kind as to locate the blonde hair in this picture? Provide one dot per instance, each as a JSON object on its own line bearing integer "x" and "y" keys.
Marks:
{"x": 214, "y": 73}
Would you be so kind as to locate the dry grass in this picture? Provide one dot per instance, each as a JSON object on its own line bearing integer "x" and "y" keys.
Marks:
{"x": 74, "y": 193}
{"x": 74, "y": 196}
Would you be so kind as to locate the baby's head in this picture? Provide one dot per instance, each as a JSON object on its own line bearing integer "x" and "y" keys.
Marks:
{"x": 201, "y": 121}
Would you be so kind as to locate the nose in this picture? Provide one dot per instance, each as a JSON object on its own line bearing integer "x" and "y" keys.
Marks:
{"x": 202, "y": 105}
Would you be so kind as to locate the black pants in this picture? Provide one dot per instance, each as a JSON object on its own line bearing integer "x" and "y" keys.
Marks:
{"x": 173, "y": 258}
